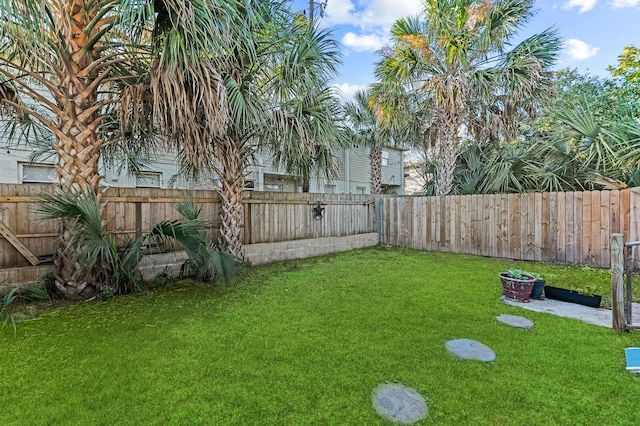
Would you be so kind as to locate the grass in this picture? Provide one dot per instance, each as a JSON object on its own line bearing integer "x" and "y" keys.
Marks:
{"x": 306, "y": 342}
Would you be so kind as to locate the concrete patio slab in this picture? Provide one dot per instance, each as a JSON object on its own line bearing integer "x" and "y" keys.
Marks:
{"x": 596, "y": 316}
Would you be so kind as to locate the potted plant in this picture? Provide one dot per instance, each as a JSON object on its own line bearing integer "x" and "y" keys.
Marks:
{"x": 517, "y": 285}
{"x": 536, "y": 292}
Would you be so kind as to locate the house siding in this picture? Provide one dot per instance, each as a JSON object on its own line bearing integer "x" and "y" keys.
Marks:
{"x": 353, "y": 176}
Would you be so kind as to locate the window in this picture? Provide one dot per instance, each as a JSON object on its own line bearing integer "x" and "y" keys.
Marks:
{"x": 385, "y": 158}
{"x": 149, "y": 180}
{"x": 38, "y": 173}
{"x": 270, "y": 187}
{"x": 360, "y": 189}
{"x": 249, "y": 185}
{"x": 329, "y": 189}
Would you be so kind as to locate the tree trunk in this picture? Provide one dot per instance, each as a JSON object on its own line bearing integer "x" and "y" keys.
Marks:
{"x": 231, "y": 172}
{"x": 305, "y": 181}
{"x": 77, "y": 142}
{"x": 448, "y": 151}
{"x": 375, "y": 160}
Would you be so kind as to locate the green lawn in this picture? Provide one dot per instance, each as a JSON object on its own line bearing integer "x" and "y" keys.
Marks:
{"x": 306, "y": 342}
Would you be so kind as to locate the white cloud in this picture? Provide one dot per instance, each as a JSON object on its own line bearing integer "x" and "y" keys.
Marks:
{"x": 348, "y": 91}
{"x": 361, "y": 43}
{"x": 582, "y": 5}
{"x": 372, "y": 13}
{"x": 618, "y": 4}
{"x": 385, "y": 12}
{"x": 579, "y": 50}
{"x": 339, "y": 12}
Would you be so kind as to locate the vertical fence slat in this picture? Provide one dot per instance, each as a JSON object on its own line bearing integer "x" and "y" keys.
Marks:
{"x": 569, "y": 240}
{"x": 605, "y": 230}
{"x": 515, "y": 236}
{"x": 634, "y": 223}
{"x": 587, "y": 242}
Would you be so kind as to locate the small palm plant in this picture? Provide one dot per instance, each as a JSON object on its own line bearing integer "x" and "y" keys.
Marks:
{"x": 109, "y": 263}
{"x": 206, "y": 261}
{"x": 6, "y": 300}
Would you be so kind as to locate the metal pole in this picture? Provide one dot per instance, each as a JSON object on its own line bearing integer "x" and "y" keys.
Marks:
{"x": 310, "y": 14}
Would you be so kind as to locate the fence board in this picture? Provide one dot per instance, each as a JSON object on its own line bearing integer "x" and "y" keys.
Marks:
{"x": 569, "y": 240}
{"x": 514, "y": 227}
{"x": 634, "y": 222}
{"x": 595, "y": 229}
{"x": 605, "y": 230}
{"x": 577, "y": 223}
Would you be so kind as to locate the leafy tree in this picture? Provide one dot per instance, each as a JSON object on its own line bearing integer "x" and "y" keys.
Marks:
{"x": 628, "y": 65}
{"x": 455, "y": 54}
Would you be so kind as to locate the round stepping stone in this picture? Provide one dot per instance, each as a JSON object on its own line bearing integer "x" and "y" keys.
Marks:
{"x": 470, "y": 349}
{"x": 515, "y": 321}
{"x": 399, "y": 403}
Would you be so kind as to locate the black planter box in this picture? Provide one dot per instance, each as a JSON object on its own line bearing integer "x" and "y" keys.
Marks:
{"x": 572, "y": 296}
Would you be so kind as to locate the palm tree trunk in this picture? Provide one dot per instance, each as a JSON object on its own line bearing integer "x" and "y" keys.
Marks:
{"x": 232, "y": 174}
{"x": 448, "y": 151}
{"x": 375, "y": 160}
{"x": 77, "y": 142}
{"x": 305, "y": 181}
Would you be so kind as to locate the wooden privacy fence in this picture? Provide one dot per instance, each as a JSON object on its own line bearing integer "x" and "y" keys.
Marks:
{"x": 572, "y": 227}
{"x": 272, "y": 216}
{"x": 565, "y": 227}
{"x": 25, "y": 239}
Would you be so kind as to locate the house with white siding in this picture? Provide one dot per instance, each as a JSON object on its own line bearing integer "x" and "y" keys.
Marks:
{"x": 353, "y": 177}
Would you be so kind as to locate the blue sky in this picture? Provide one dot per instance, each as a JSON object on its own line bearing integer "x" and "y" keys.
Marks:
{"x": 594, "y": 32}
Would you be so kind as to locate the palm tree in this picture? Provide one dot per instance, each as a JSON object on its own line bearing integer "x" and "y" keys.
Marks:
{"x": 68, "y": 64}
{"x": 209, "y": 78}
{"x": 454, "y": 54}
{"x": 367, "y": 132}
{"x": 319, "y": 118}
{"x": 277, "y": 99}
{"x": 108, "y": 263}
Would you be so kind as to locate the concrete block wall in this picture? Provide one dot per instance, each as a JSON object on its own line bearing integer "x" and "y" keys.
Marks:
{"x": 259, "y": 254}
{"x": 170, "y": 263}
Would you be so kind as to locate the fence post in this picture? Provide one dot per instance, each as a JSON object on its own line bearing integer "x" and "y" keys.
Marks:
{"x": 138, "y": 209}
{"x": 378, "y": 219}
{"x": 628, "y": 270}
{"x": 617, "y": 282}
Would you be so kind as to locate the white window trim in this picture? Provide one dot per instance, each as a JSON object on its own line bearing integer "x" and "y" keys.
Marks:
{"x": 385, "y": 158}
{"x": 23, "y": 167}
{"x": 143, "y": 180}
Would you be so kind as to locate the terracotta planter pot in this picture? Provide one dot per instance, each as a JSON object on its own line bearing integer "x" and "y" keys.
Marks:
{"x": 515, "y": 289}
